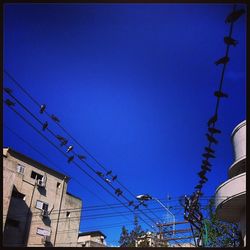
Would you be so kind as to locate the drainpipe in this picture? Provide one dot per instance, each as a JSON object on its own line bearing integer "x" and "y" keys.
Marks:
{"x": 59, "y": 211}
{"x": 27, "y": 217}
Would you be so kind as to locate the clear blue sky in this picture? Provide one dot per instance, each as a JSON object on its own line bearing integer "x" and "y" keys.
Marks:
{"x": 134, "y": 84}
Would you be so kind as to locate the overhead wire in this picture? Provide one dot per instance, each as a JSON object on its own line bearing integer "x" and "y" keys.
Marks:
{"x": 80, "y": 145}
{"x": 23, "y": 118}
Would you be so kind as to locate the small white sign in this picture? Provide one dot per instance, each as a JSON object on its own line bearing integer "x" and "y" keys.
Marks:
{"x": 42, "y": 231}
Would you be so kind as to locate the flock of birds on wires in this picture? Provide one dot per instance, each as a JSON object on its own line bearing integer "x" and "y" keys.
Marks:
{"x": 106, "y": 176}
{"x": 192, "y": 207}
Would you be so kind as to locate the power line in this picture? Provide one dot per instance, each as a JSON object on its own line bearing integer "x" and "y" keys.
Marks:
{"x": 58, "y": 124}
{"x": 23, "y": 118}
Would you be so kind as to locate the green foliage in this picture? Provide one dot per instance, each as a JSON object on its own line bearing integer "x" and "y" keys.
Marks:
{"x": 128, "y": 239}
{"x": 220, "y": 233}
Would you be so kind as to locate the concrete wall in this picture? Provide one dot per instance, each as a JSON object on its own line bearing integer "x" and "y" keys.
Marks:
{"x": 91, "y": 241}
{"x": 25, "y": 210}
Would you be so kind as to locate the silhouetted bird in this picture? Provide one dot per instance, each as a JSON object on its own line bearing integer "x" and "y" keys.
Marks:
{"x": 211, "y": 138}
{"x": 201, "y": 173}
{"x": 118, "y": 191}
{"x": 109, "y": 172}
{"x": 54, "y": 118}
{"x": 206, "y": 162}
{"x": 212, "y": 120}
{"x": 8, "y": 90}
{"x": 202, "y": 181}
{"x": 223, "y": 60}
{"x": 60, "y": 138}
{"x": 220, "y": 94}
{"x": 81, "y": 157}
{"x": 45, "y": 125}
{"x": 210, "y": 150}
{"x": 130, "y": 203}
{"x": 234, "y": 16}
{"x": 64, "y": 142}
{"x": 137, "y": 206}
{"x": 114, "y": 177}
{"x": 204, "y": 178}
{"x": 42, "y": 108}
{"x": 208, "y": 155}
{"x": 230, "y": 41}
{"x": 100, "y": 173}
{"x": 214, "y": 130}
{"x": 69, "y": 149}
{"x": 70, "y": 158}
{"x": 205, "y": 167}
{"x": 198, "y": 186}
{"x": 9, "y": 102}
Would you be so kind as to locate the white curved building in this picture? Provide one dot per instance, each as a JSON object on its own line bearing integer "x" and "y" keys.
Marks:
{"x": 230, "y": 196}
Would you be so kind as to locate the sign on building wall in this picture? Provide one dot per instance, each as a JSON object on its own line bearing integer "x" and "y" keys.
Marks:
{"x": 42, "y": 231}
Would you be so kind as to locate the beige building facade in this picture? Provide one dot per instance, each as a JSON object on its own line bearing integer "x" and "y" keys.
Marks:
{"x": 91, "y": 239}
{"x": 230, "y": 196}
{"x": 37, "y": 209}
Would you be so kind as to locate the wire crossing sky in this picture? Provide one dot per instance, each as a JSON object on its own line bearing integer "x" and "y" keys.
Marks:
{"x": 134, "y": 84}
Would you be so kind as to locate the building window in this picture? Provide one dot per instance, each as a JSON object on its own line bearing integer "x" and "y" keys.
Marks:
{"x": 20, "y": 169}
{"x": 12, "y": 222}
{"x": 67, "y": 214}
{"x": 42, "y": 205}
{"x": 58, "y": 185}
{"x": 36, "y": 176}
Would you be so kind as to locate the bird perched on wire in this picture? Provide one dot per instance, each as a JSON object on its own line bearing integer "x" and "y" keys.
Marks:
{"x": 69, "y": 149}
{"x": 100, "y": 173}
{"x": 70, "y": 158}
{"x": 130, "y": 203}
{"x": 81, "y": 157}
{"x": 214, "y": 130}
{"x": 199, "y": 186}
{"x": 9, "y": 102}
{"x": 202, "y": 181}
{"x": 114, "y": 178}
{"x": 223, "y": 60}
{"x": 211, "y": 138}
{"x": 205, "y": 167}
{"x": 54, "y": 118}
{"x": 208, "y": 155}
{"x": 118, "y": 191}
{"x": 234, "y": 16}
{"x": 230, "y": 41}
{"x": 62, "y": 140}
{"x": 109, "y": 172}
{"x": 206, "y": 162}
{"x": 42, "y": 108}
{"x": 220, "y": 94}
{"x": 204, "y": 178}
{"x": 137, "y": 206}
{"x": 8, "y": 90}
{"x": 210, "y": 150}
{"x": 212, "y": 120}
{"x": 202, "y": 173}
{"x": 45, "y": 125}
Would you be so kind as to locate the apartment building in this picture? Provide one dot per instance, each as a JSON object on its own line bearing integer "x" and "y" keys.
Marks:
{"x": 37, "y": 209}
{"x": 91, "y": 239}
{"x": 230, "y": 196}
